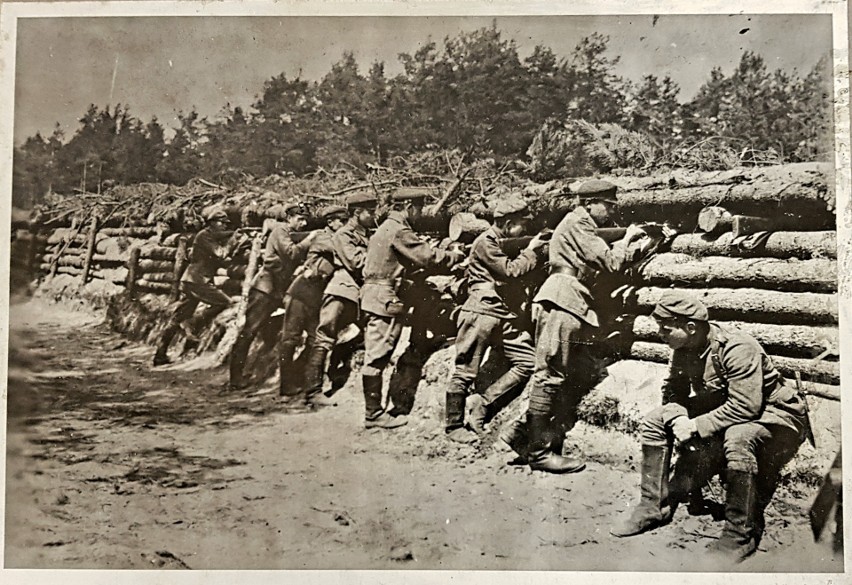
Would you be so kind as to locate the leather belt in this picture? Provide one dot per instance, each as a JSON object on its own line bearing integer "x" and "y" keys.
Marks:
{"x": 569, "y": 270}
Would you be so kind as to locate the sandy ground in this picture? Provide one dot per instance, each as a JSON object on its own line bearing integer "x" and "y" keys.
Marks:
{"x": 114, "y": 464}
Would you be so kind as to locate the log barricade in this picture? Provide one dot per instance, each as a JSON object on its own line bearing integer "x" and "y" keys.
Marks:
{"x": 769, "y": 267}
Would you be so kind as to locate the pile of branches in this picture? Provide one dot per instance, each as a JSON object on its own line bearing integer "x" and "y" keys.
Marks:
{"x": 454, "y": 180}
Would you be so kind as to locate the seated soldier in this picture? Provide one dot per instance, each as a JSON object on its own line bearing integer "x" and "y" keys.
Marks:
{"x": 729, "y": 411}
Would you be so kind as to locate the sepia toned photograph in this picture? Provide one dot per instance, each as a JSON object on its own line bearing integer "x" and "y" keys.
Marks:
{"x": 401, "y": 288}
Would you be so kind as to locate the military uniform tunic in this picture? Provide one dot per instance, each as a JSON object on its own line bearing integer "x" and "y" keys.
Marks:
{"x": 563, "y": 309}
{"x": 393, "y": 249}
{"x": 486, "y": 320}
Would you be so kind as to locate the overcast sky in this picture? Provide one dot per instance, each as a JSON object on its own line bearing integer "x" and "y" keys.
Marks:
{"x": 166, "y": 65}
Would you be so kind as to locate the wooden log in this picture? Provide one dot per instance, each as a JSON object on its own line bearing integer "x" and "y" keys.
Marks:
{"x": 110, "y": 247}
{"x": 72, "y": 270}
{"x": 135, "y": 232}
{"x": 801, "y": 245}
{"x": 753, "y": 305}
{"x": 114, "y": 275}
{"x": 814, "y": 275}
{"x": 181, "y": 262}
{"x": 90, "y": 248}
{"x": 108, "y": 259}
{"x": 133, "y": 271}
{"x": 815, "y": 371}
{"x": 465, "y": 227}
{"x": 158, "y": 277}
{"x": 64, "y": 235}
{"x": 148, "y": 265}
{"x": 158, "y": 253}
{"x": 801, "y": 196}
{"x": 746, "y": 225}
{"x": 160, "y": 288}
{"x": 714, "y": 220}
{"x": 800, "y": 341}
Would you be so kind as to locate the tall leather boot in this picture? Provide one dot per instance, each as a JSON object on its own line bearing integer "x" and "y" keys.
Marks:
{"x": 374, "y": 414}
{"x": 483, "y": 407}
{"x": 514, "y": 434}
{"x": 285, "y": 366}
{"x": 161, "y": 357}
{"x": 314, "y": 377}
{"x": 540, "y": 456}
{"x": 455, "y": 419}
{"x": 653, "y": 509}
{"x": 739, "y": 536}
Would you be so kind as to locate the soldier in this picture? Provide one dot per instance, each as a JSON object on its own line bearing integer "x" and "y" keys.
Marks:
{"x": 304, "y": 297}
{"x": 340, "y": 298}
{"x": 196, "y": 283}
{"x": 485, "y": 320}
{"x": 280, "y": 259}
{"x": 393, "y": 250}
{"x": 741, "y": 419}
{"x": 565, "y": 320}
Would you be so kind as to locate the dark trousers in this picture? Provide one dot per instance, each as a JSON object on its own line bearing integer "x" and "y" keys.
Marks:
{"x": 301, "y": 318}
{"x": 751, "y": 447}
{"x": 475, "y": 335}
{"x": 192, "y": 294}
{"x": 335, "y": 315}
{"x": 258, "y": 312}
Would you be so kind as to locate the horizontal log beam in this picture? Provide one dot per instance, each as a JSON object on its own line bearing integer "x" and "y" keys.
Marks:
{"x": 752, "y": 305}
{"x": 814, "y": 275}
{"x": 799, "y": 341}
{"x": 148, "y": 265}
{"x": 815, "y": 371}
{"x": 801, "y": 245}
{"x": 160, "y": 288}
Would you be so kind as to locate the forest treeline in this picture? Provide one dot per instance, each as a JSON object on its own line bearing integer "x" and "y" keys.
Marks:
{"x": 550, "y": 116}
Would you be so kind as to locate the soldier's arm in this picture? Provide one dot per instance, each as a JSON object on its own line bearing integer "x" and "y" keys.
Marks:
{"x": 596, "y": 252}
{"x": 281, "y": 243}
{"x": 350, "y": 252}
{"x": 419, "y": 253}
{"x": 743, "y": 369}
{"x": 675, "y": 388}
{"x": 498, "y": 263}
{"x": 205, "y": 250}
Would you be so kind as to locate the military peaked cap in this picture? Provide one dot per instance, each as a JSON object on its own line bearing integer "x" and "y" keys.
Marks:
{"x": 331, "y": 211}
{"x": 214, "y": 212}
{"x": 597, "y": 189}
{"x": 362, "y": 200}
{"x": 411, "y": 194}
{"x": 512, "y": 205}
{"x": 676, "y": 304}
{"x": 281, "y": 211}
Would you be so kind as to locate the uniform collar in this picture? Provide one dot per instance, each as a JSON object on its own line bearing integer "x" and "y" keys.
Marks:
{"x": 712, "y": 336}
{"x": 399, "y": 216}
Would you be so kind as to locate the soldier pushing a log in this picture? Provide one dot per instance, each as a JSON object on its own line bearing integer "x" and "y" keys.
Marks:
{"x": 729, "y": 412}
{"x": 565, "y": 320}
{"x": 393, "y": 250}
{"x": 340, "y": 299}
{"x": 196, "y": 284}
{"x": 303, "y": 301}
{"x": 486, "y": 320}
{"x": 280, "y": 260}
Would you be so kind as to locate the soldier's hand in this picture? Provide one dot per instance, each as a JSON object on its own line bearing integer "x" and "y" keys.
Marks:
{"x": 536, "y": 243}
{"x": 633, "y": 233}
{"x": 684, "y": 429}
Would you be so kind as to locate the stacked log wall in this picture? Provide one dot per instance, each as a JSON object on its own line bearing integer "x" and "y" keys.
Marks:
{"x": 781, "y": 286}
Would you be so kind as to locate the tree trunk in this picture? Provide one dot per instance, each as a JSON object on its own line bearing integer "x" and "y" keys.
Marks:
{"x": 147, "y": 265}
{"x": 799, "y": 341}
{"x": 714, "y": 220}
{"x": 815, "y": 275}
{"x": 753, "y": 305}
{"x": 801, "y": 245}
{"x": 815, "y": 371}
{"x": 90, "y": 249}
